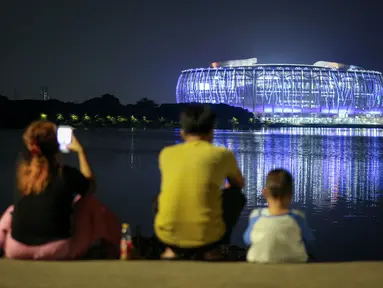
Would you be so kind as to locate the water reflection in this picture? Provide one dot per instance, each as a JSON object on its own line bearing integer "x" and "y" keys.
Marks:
{"x": 326, "y": 165}
{"x": 322, "y": 131}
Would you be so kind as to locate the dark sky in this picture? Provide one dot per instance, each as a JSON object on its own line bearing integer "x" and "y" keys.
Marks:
{"x": 137, "y": 48}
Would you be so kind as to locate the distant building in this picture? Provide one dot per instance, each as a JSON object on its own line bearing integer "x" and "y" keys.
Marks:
{"x": 44, "y": 93}
{"x": 325, "y": 89}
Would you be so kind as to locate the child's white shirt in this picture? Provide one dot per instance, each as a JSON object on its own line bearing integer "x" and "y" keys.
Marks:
{"x": 277, "y": 239}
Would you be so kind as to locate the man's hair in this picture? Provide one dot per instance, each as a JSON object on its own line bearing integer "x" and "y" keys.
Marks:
{"x": 279, "y": 183}
{"x": 197, "y": 119}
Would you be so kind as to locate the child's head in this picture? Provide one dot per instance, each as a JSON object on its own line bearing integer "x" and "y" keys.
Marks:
{"x": 279, "y": 186}
{"x": 198, "y": 120}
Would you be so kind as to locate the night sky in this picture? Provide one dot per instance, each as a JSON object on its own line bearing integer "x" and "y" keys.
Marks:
{"x": 137, "y": 48}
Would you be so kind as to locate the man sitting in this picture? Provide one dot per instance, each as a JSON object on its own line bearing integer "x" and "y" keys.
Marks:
{"x": 194, "y": 216}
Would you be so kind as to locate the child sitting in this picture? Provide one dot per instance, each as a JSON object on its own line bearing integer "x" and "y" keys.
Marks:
{"x": 277, "y": 234}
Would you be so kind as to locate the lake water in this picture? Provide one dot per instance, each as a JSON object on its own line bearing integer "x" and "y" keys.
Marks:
{"x": 338, "y": 179}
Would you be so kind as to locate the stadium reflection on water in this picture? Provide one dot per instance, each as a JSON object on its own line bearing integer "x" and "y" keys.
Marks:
{"x": 327, "y": 164}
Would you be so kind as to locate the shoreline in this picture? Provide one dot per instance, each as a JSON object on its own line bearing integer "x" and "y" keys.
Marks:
{"x": 240, "y": 129}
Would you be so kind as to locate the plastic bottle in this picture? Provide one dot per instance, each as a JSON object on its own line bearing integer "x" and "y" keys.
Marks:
{"x": 126, "y": 244}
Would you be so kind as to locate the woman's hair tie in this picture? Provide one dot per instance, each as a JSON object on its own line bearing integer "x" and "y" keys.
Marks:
{"x": 35, "y": 149}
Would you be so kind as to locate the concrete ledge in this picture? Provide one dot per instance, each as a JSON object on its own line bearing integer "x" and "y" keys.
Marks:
{"x": 188, "y": 274}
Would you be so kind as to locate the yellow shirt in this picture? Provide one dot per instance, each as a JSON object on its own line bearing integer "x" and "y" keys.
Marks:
{"x": 190, "y": 204}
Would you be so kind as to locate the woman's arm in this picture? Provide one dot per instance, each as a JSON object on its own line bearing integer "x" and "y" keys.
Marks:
{"x": 86, "y": 170}
{"x": 85, "y": 167}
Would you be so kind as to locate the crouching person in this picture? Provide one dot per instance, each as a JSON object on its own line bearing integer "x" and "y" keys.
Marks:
{"x": 277, "y": 234}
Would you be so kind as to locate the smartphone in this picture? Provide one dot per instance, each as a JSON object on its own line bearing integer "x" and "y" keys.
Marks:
{"x": 64, "y": 137}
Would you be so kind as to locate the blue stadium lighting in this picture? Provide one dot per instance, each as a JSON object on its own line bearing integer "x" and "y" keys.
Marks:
{"x": 323, "y": 89}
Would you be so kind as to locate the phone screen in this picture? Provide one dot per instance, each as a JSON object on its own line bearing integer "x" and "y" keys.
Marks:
{"x": 64, "y": 137}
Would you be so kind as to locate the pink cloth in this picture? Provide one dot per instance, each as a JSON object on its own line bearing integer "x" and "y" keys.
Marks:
{"x": 92, "y": 222}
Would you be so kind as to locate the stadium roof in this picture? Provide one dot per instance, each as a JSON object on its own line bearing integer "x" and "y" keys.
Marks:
{"x": 253, "y": 62}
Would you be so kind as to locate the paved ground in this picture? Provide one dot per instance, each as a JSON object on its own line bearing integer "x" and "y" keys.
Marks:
{"x": 188, "y": 274}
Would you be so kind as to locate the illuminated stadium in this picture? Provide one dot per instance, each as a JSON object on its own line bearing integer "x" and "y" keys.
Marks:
{"x": 321, "y": 90}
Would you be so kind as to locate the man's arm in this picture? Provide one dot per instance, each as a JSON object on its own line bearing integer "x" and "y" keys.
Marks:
{"x": 234, "y": 174}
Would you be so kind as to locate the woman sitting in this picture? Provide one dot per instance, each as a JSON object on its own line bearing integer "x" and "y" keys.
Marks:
{"x": 39, "y": 226}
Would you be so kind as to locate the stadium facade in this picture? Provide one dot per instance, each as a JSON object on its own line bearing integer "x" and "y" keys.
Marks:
{"x": 324, "y": 89}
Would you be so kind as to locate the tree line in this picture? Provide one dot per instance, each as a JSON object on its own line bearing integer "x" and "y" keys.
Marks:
{"x": 107, "y": 111}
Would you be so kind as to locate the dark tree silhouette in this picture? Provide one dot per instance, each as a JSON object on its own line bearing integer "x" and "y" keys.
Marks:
{"x": 108, "y": 111}
{"x": 144, "y": 107}
{"x": 146, "y": 102}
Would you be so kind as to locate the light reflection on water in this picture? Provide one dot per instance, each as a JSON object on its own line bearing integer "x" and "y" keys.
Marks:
{"x": 326, "y": 165}
{"x": 337, "y": 175}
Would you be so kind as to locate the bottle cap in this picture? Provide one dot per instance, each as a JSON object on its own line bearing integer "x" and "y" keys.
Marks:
{"x": 125, "y": 225}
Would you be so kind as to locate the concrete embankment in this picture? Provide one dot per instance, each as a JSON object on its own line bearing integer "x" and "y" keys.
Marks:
{"x": 188, "y": 274}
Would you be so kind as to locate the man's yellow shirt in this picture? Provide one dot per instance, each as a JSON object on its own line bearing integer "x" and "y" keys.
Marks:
{"x": 190, "y": 205}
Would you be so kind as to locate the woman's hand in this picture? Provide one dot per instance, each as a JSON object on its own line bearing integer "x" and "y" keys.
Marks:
{"x": 75, "y": 145}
